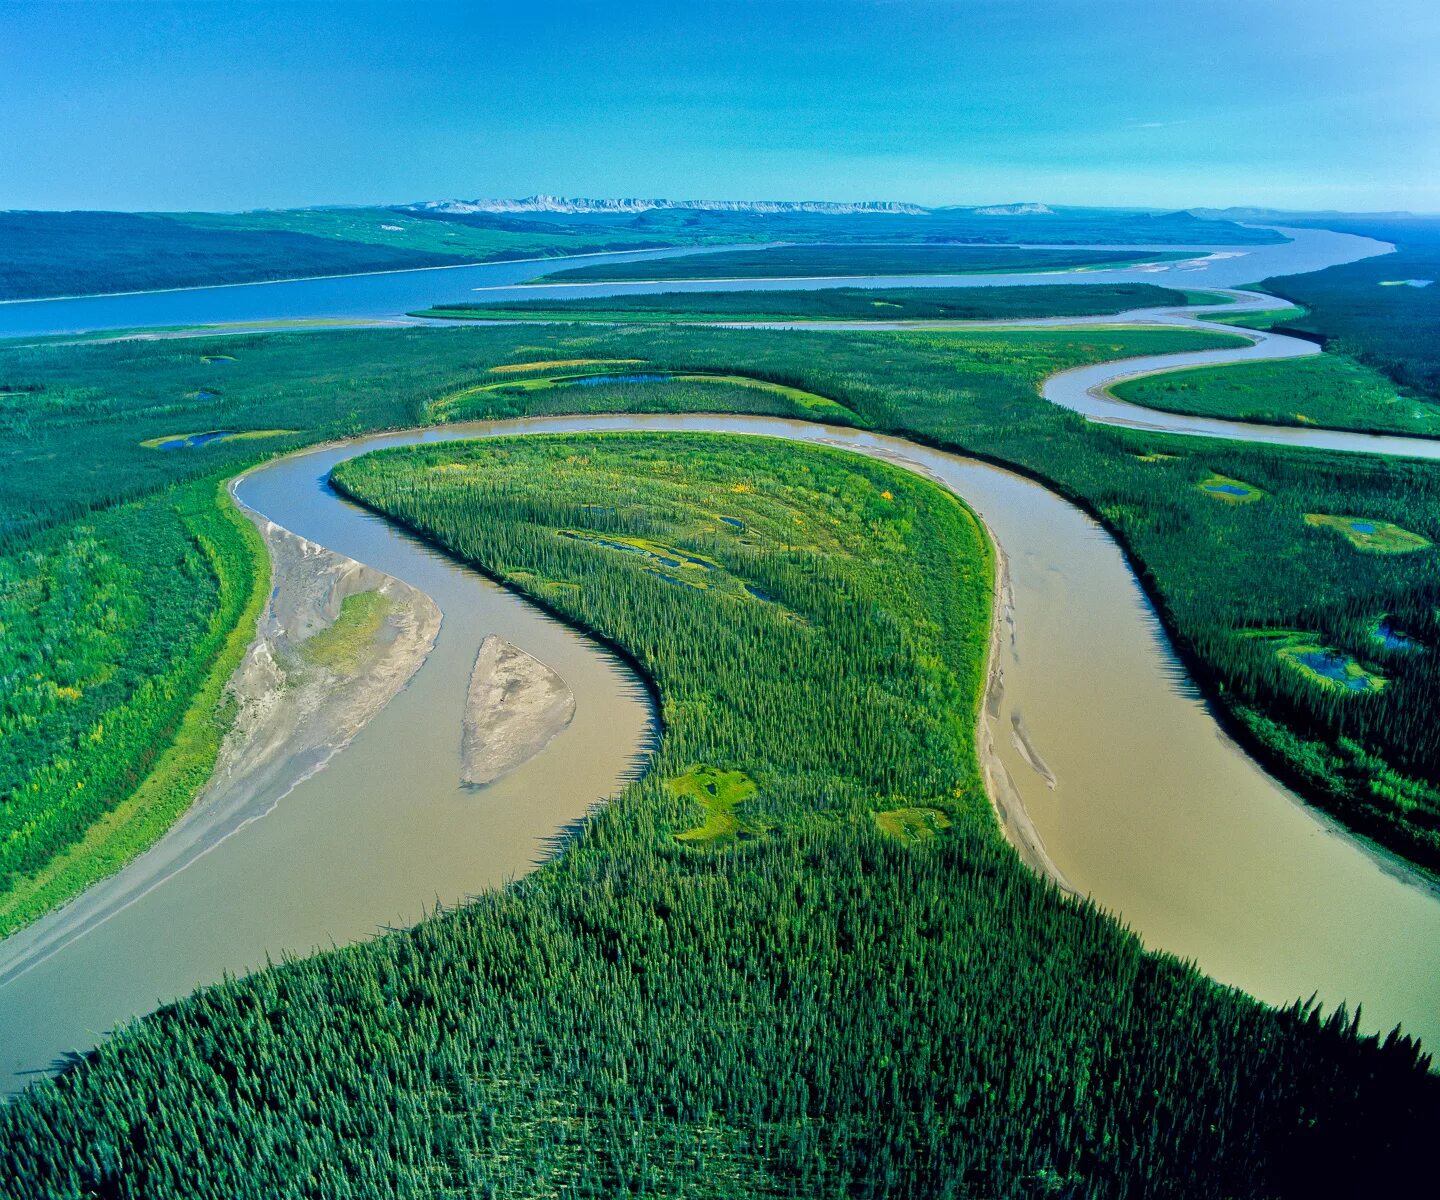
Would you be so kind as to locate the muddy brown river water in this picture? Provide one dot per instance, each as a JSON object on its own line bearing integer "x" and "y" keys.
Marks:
{"x": 1129, "y": 791}
{"x": 1152, "y": 810}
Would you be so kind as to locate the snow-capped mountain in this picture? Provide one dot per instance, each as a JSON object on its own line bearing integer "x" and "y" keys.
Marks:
{"x": 584, "y": 204}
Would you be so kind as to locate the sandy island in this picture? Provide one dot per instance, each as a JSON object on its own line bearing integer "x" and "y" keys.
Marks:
{"x": 516, "y": 705}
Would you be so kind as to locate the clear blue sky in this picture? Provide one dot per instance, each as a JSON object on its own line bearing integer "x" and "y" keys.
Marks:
{"x": 1162, "y": 102}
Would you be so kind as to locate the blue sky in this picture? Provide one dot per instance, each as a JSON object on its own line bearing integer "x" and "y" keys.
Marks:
{"x": 1168, "y": 102}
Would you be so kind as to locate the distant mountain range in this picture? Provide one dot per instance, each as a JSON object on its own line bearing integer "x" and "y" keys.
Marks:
{"x": 585, "y": 204}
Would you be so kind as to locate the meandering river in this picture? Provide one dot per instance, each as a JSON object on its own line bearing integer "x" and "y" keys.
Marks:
{"x": 1136, "y": 796}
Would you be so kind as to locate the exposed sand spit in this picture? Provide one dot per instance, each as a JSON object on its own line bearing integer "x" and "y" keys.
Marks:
{"x": 516, "y": 705}
{"x": 296, "y": 708}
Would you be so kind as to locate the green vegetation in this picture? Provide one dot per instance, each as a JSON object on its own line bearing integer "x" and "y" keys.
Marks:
{"x": 176, "y": 441}
{"x": 558, "y": 363}
{"x": 345, "y": 641}
{"x": 1326, "y": 391}
{"x": 1377, "y": 537}
{"x": 820, "y": 1008}
{"x": 1264, "y": 319}
{"x": 1391, "y": 329}
{"x": 1215, "y": 569}
{"x": 1323, "y": 666}
{"x": 76, "y": 253}
{"x": 834, "y": 304}
{"x": 782, "y": 262}
{"x": 704, "y": 393}
{"x": 1230, "y": 491}
{"x": 718, "y": 793}
{"x": 120, "y": 635}
{"x": 911, "y": 824}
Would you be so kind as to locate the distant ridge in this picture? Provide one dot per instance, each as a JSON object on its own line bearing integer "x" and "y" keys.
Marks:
{"x": 1031, "y": 209}
{"x": 585, "y": 204}
{"x": 1238, "y": 213}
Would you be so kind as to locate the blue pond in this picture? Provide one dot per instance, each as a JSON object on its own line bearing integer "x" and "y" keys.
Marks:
{"x": 1228, "y": 488}
{"x": 1362, "y": 526}
{"x": 1333, "y": 667}
{"x": 734, "y": 522}
{"x": 1392, "y": 639}
{"x": 598, "y": 380}
{"x": 195, "y": 439}
{"x": 759, "y": 595}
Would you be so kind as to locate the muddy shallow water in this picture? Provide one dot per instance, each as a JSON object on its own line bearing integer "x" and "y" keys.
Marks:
{"x": 1136, "y": 796}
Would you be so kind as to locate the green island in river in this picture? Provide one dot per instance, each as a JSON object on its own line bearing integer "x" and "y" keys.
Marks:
{"x": 803, "y": 919}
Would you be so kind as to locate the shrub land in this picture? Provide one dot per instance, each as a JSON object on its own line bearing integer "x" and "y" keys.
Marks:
{"x": 834, "y": 304}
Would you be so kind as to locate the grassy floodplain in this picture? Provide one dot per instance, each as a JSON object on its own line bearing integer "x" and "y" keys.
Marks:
{"x": 796, "y": 959}
{"x": 1265, "y": 319}
{"x": 1326, "y": 391}
{"x": 832, "y": 304}
{"x": 842, "y": 260}
{"x": 692, "y": 392}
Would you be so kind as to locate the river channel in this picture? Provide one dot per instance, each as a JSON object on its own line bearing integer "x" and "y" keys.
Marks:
{"x": 1108, "y": 769}
{"x": 1136, "y": 796}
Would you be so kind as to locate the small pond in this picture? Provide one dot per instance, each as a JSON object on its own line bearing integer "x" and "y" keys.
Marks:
{"x": 599, "y": 380}
{"x": 1337, "y": 668}
{"x": 188, "y": 441}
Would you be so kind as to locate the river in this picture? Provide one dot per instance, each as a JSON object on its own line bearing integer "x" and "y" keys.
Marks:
{"x": 390, "y": 295}
{"x": 1137, "y": 797}
{"x": 1153, "y": 811}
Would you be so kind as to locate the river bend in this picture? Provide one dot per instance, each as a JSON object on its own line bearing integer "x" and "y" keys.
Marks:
{"x": 1133, "y": 792}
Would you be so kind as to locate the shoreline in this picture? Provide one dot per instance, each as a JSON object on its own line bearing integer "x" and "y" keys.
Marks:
{"x": 293, "y": 717}
{"x": 1013, "y": 817}
{"x": 1134, "y": 265}
{"x": 484, "y": 262}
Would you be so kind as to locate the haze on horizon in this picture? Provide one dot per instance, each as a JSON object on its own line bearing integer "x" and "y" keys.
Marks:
{"x": 1318, "y": 105}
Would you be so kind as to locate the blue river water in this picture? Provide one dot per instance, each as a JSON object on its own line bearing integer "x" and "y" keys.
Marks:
{"x": 391, "y": 295}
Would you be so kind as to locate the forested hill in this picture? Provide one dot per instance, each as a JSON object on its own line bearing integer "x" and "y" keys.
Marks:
{"x": 85, "y": 253}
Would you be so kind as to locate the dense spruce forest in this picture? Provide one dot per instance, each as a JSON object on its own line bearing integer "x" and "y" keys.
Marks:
{"x": 129, "y": 252}
{"x": 1383, "y": 311}
{"x": 841, "y": 304}
{"x": 796, "y": 959}
{"x": 73, "y": 253}
{"x": 1327, "y": 391}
